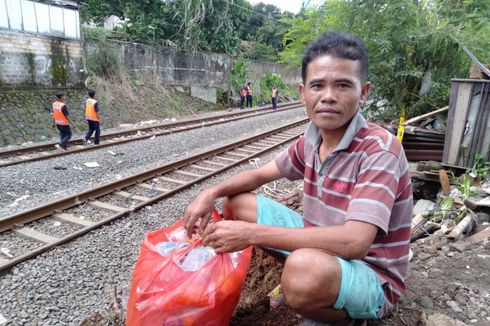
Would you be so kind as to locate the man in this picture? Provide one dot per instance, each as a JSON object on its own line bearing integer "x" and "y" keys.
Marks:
{"x": 243, "y": 94}
{"x": 59, "y": 114}
{"x": 92, "y": 117}
{"x": 274, "y": 96}
{"x": 249, "y": 94}
{"x": 347, "y": 256}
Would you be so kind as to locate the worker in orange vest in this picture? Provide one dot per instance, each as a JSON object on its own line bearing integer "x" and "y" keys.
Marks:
{"x": 243, "y": 94}
{"x": 59, "y": 114}
{"x": 249, "y": 94}
{"x": 92, "y": 117}
{"x": 274, "y": 95}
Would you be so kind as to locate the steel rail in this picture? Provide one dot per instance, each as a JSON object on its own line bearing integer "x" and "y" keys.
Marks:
{"x": 111, "y": 138}
{"x": 17, "y": 220}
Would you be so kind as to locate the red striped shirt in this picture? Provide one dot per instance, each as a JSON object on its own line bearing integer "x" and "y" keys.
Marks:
{"x": 366, "y": 179}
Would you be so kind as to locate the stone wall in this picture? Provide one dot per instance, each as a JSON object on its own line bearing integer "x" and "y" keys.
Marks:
{"x": 258, "y": 69}
{"x": 35, "y": 60}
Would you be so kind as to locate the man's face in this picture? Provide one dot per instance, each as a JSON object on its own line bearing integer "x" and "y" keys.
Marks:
{"x": 332, "y": 92}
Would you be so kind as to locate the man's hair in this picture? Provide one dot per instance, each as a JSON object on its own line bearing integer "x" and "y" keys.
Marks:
{"x": 339, "y": 45}
{"x": 59, "y": 95}
{"x": 91, "y": 93}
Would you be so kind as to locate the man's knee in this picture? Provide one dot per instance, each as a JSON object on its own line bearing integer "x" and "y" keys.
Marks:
{"x": 310, "y": 279}
{"x": 240, "y": 207}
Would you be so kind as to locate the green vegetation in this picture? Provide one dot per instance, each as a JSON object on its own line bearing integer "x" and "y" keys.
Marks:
{"x": 415, "y": 46}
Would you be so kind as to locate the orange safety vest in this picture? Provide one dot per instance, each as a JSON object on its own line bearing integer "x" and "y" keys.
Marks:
{"x": 274, "y": 93}
{"x": 243, "y": 92}
{"x": 90, "y": 113}
{"x": 59, "y": 117}
{"x": 249, "y": 90}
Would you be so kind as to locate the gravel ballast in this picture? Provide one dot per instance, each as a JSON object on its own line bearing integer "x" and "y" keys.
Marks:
{"x": 31, "y": 184}
{"x": 71, "y": 282}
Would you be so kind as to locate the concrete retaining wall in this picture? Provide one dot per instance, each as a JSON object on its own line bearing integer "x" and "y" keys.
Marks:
{"x": 29, "y": 59}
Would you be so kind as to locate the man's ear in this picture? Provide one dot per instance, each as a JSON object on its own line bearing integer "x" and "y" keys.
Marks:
{"x": 301, "y": 89}
{"x": 365, "y": 92}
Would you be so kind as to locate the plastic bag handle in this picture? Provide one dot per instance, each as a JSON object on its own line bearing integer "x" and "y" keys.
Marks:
{"x": 216, "y": 215}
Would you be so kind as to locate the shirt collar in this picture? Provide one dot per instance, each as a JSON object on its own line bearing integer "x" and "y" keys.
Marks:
{"x": 312, "y": 133}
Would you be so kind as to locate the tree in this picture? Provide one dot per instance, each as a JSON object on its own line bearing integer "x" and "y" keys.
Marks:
{"x": 412, "y": 56}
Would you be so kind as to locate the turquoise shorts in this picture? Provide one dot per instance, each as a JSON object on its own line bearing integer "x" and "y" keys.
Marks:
{"x": 361, "y": 293}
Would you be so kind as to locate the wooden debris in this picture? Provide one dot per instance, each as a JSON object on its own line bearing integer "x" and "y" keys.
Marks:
{"x": 464, "y": 224}
{"x": 478, "y": 237}
{"x": 426, "y": 115}
{"x": 444, "y": 180}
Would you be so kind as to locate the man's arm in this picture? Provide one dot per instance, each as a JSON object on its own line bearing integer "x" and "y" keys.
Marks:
{"x": 201, "y": 207}
{"x": 350, "y": 240}
{"x": 66, "y": 113}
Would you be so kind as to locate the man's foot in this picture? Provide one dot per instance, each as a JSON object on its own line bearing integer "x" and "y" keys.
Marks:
{"x": 58, "y": 146}
{"x": 87, "y": 141}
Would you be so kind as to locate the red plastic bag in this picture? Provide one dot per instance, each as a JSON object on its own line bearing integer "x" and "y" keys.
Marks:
{"x": 170, "y": 288}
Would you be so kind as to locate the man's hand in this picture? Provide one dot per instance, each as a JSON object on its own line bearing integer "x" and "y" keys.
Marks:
{"x": 200, "y": 208}
{"x": 228, "y": 236}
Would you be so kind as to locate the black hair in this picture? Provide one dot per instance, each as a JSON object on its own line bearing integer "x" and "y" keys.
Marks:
{"x": 59, "y": 95}
{"x": 91, "y": 93}
{"x": 339, "y": 45}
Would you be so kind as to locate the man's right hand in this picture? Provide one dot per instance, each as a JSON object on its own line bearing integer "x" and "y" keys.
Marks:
{"x": 200, "y": 208}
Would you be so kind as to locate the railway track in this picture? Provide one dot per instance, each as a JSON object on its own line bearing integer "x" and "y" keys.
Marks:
{"x": 47, "y": 151}
{"x": 29, "y": 233}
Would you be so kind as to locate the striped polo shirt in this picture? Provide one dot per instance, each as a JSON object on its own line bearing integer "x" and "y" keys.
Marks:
{"x": 365, "y": 179}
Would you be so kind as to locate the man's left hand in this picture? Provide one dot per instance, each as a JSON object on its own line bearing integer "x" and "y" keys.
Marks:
{"x": 228, "y": 236}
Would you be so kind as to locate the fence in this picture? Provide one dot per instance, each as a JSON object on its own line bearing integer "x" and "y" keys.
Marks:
{"x": 468, "y": 123}
{"x": 38, "y": 18}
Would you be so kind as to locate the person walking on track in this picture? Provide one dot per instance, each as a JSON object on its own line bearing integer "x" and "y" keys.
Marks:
{"x": 60, "y": 119}
{"x": 243, "y": 95}
{"x": 92, "y": 117}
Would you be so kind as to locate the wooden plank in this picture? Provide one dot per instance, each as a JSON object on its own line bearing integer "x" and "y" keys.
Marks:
{"x": 455, "y": 132}
{"x": 70, "y": 219}
{"x": 150, "y": 187}
{"x": 125, "y": 194}
{"x": 189, "y": 174}
{"x": 32, "y": 234}
{"x": 199, "y": 167}
{"x": 171, "y": 180}
{"x": 107, "y": 206}
{"x": 478, "y": 237}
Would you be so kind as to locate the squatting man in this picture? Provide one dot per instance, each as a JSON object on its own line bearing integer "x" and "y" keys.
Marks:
{"x": 346, "y": 258}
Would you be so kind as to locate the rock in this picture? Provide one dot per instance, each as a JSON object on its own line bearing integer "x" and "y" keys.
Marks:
{"x": 425, "y": 302}
{"x": 443, "y": 320}
{"x": 454, "y": 306}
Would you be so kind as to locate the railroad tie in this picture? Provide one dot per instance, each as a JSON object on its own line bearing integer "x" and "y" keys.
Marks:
{"x": 199, "y": 167}
{"x": 151, "y": 187}
{"x": 127, "y": 195}
{"x": 187, "y": 173}
{"x": 171, "y": 180}
{"x": 70, "y": 219}
{"x": 32, "y": 234}
{"x": 106, "y": 206}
